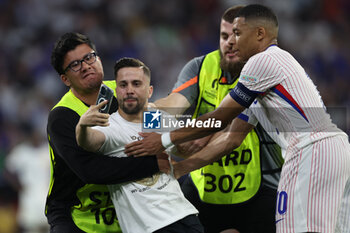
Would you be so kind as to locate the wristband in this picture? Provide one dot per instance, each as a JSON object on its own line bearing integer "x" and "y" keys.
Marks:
{"x": 166, "y": 141}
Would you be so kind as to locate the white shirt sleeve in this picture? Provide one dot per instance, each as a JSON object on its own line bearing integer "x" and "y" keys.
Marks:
{"x": 261, "y": 73}
{"x": 109, "y": 146}
{"x": 248, "y": 116}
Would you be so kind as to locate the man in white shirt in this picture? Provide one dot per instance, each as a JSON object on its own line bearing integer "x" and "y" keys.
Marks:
{"x": 29, "y": 163}
{"x": 313, "y": 192}
{"x": 153, "y": 204}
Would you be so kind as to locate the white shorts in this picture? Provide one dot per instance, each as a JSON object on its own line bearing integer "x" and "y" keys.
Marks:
{"x": 343, "y": 220}
{"x": 312, "y": 187}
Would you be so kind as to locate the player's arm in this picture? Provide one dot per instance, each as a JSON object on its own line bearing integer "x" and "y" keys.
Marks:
{"x": 232, "y": 105}
{"x": 185, "y": 94}
{"x": 185, "y": 91}
{"x": 175, "y": 103}
{"x": 90, "y": 167}
{"x": 155, "y": 143}
{"x": 186, "y": 149}
{"x": 225, "y": 113}
{"x": 221, "y": 143}
{"x": 88, "y": 138}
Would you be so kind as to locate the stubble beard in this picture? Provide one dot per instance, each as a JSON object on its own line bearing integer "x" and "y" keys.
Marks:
{"x": 234, "y": 68}
{"x": 131, "y": 110}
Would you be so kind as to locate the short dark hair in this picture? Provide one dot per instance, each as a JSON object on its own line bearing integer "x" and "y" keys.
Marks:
{"x": 64, "y": 44}
{"x": 131, "y": 62}
{"x": 256, "y": 11}
{"x": 231, "y": 13}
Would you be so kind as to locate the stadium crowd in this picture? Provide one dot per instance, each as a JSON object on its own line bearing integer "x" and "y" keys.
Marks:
{"x": 165, "y": 35}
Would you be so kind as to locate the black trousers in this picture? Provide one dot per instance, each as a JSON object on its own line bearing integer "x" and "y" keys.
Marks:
{"x": 189, "y": 224}
{"x": 254, "y": 216}
{"x": 65, "y": 227}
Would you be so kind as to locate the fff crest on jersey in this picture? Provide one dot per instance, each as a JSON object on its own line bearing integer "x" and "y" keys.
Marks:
{"x": 152, "y": 119}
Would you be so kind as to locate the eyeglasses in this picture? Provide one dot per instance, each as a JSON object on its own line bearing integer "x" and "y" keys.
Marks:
{"x": 77, "y": 64}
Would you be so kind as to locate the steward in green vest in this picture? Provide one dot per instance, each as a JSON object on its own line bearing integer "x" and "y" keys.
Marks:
{"x": 242, "y": 183}
{"x": 78, "y": 199}
{"x": 93, "y": 210}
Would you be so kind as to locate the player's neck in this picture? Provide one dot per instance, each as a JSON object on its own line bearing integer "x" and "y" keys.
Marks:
{"x": 135, "y": 118}
{"x": 269, "y": 43}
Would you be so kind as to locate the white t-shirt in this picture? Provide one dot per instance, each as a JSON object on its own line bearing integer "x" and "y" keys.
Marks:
{"x": 32, "y": 166}
{"x": 148, "y": 204}
{"x": 288, "y": 97}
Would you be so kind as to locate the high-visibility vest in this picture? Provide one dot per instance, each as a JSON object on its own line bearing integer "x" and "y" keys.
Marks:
{"x": 96, "y": 212}
{"x": 236, "y": 177}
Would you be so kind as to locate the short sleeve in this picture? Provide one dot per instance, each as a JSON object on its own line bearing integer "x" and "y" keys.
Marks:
{"x": 248, "y": 116}
{"x": 109, "y": 146}
{"x": 261, "y": 73}
{"x": 187, "y": 81}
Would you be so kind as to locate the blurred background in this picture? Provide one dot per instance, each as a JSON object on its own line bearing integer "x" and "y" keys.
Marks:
{"x": 165, "y": 34}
